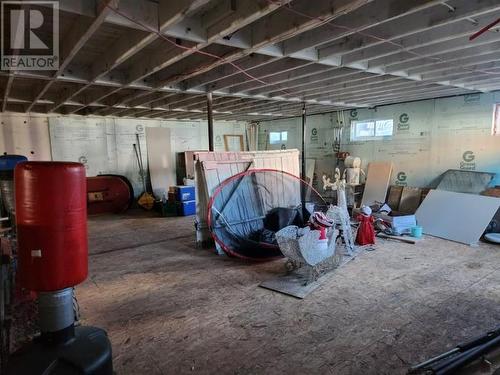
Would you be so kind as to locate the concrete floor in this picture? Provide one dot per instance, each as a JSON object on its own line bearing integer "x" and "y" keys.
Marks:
{"x": 170, "y": 308}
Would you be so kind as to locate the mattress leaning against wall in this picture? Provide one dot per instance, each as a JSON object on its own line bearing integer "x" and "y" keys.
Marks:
{"x": 211, "y": 168}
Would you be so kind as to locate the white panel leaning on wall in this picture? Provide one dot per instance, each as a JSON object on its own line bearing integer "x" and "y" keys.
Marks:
{"x": 25, "y": 135}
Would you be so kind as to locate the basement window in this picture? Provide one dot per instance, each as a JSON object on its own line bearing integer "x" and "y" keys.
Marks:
{"x": 371, "y": 129}
{"x": 277, "y": 138}
{"x": 495, "y": 129}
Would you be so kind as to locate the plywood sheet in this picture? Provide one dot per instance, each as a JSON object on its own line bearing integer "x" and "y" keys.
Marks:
{"x": 456, "y": 216}
{"x": 394, "y": 197}
{"x": 295, "y": 283}
{"x": 160, "y": 161}
{"x": 211, "y": 168}
{"x": 377, "y": 182}
{"x": 410, "y": 200}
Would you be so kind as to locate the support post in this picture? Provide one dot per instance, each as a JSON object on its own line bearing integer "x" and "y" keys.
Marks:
{"x": 303, "y": 164}
{"x": 210, "y": 119}
{"x": 303, "y": 148}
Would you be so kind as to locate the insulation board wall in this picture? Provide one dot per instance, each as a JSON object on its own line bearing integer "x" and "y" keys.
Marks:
{"x": 430, "y": 137}
{"x": 103, "y": 144}
{"x": 24, "y": 135}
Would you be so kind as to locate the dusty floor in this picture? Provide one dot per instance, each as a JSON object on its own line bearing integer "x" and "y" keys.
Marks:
{"x": 170, "y": 308}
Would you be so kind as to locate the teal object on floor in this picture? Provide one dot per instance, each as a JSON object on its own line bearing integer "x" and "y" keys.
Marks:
{"x": 416, "y": 232}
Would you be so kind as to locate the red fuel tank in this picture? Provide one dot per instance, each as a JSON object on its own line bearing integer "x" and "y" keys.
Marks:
{"x": 51, "y": 218}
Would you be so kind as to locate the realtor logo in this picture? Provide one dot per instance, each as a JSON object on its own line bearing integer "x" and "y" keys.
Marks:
{"x": 30, "y": 35}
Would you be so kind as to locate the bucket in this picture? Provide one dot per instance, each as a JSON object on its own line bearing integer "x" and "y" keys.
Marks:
{"x": 416, "y": 232}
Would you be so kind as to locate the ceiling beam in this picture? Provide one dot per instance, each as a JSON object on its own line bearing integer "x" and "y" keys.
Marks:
{"x": 445, "y": 92}
{"x": 428, "y": 21}
{"x": 76, "y": 38}
{"x": 132, "y": 41}
{"x": 8, "y": 86}
{"x": 348, "y": 61}
{"x": 245, "y": 13}
{"x": 463, "y": 61}
{"x": 361, "y": 16}
{"x": 238, "y": 96}
{"x": 263, "y": 73}
{"x": 298, "y": 80}
{"x": 359, "y": 20}
{"x": 248, "y": 63}
{"x": 279, "y": 26}
{"x": 398, "y": 92}
{"x": 464, "y": 11}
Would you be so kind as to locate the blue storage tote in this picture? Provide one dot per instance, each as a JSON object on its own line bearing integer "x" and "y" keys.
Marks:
{"x": 186, "y": 208}
{"x": 183, "y": 193}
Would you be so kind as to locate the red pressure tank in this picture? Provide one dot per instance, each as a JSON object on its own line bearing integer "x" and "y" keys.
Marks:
{"x": 51, "y": 219}
{"x": 108, "y": 194}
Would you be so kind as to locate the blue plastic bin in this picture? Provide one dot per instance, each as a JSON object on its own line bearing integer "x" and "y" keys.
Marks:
{"x": 184, "y": 193}
{"x": 186, "y": 208}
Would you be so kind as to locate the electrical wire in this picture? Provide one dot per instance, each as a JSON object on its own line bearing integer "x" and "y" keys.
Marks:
{"x": 376, "y": 37}
{"x": 289, "y": 8}
{"x": 484, "y": 29}
{"x": 191, "y": 49}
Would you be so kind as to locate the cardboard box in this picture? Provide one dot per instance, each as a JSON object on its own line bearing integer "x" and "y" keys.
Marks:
{"x": 400, "y": 224}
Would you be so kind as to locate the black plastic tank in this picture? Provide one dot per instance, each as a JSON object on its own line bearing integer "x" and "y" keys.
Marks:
{"x": 87, "y": 352}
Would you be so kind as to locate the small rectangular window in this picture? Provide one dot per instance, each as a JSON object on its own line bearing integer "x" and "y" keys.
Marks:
{"x": 383, "y": 128}
{"x": 371, "y": 129}
{"x": 495, "y": 129}
{"x": 276, "y": 138}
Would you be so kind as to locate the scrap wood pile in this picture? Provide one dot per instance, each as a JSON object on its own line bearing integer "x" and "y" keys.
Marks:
{"x": 461, "y": 208}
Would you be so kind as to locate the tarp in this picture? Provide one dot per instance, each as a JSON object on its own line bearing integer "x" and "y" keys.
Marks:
{"x": 463, "y": 181}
